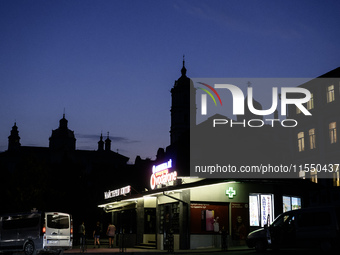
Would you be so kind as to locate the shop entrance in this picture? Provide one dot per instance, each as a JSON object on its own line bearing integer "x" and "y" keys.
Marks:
{"x": 169, "y": 225}
{"x": 239, "y": 223}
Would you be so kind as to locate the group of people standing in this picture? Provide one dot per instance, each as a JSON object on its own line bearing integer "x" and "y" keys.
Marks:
{"x": 110, "y": 232}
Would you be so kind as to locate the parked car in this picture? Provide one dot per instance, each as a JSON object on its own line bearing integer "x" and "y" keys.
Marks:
{"x": 303, "y": 228}
{"x": 36, "y": 232}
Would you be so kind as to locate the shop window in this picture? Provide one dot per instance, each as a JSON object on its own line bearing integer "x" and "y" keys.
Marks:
{"x": 127, "y": 221}
{"x": 301, "y": 141}
{"x": 330, "y": 94}
{"x": 208, "y": 218}
{"x": 310, "y": 103}
{"x": 254, "y": 211}
{"x": 261, "y": 209}
{"x": 291, "y": 203}
{"x": 312, "y": 144}
{"x": 332, "y": 132}
{"x": 169, "y": 218}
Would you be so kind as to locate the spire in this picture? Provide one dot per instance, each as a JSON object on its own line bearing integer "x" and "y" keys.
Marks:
{"x": 184, "y": 70}
{"x": 101, "y": 143}
{"x": 63, "y": 121}
{"x": 108, "y": 142}
{"x": 14, "y": 138}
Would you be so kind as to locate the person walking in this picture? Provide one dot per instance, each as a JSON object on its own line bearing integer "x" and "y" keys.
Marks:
{"x": 82, "y": 236}
{"x": 111, "y": 232}
{"x": 96, "y": 235}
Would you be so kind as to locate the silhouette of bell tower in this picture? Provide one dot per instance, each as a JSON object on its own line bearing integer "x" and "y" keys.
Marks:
{"x": 62, "y": 138}
{"x": 108, "y": 143}
{"x": 183, "y": 106}
{"x": 14, "y": 139}
{"x": 101, "y": 143}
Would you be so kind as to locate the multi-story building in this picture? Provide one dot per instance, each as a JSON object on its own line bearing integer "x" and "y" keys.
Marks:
{"x": 314, "y": 143}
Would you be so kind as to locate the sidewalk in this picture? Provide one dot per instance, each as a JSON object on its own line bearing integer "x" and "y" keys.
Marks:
{"x": 127, "y": 251}
{"x": 104, "y": 249}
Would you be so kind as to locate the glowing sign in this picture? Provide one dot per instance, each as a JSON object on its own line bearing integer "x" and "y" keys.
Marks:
{"x": 231, "y": 192}
{"x": 117, "y": 192}
{"x": 161, "y": 175}
{"x": 161, "y": 167}
{"x": 266, "y": 209}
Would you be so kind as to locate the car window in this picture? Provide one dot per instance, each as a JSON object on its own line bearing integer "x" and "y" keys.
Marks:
{"x": 22, "y": 221}
{"x": 310, "y": 219}
{"x": 283, "y": 219}
{"x": 57, "y": 221}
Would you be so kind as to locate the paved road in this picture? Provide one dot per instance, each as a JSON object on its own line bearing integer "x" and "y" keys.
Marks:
{"x": 232, "y": 251}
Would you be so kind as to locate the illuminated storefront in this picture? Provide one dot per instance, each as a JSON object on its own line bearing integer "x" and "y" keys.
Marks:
{"x": 197, "y": 212}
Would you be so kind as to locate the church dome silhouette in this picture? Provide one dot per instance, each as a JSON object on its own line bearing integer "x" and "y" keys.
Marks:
{"x": 62, "y": 137}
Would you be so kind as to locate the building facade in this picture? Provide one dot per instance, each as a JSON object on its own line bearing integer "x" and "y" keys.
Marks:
{"x": 183, "y": 212}
{"x": 315, "y": 141}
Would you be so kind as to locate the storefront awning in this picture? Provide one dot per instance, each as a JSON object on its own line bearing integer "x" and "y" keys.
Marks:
{"x": 119, "y": 206}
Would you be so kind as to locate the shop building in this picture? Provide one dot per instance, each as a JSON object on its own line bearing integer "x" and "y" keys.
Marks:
{"x": 199, "y": 213}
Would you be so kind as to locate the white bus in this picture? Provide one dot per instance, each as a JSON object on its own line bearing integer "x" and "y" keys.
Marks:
{"x": 36, "y": 232}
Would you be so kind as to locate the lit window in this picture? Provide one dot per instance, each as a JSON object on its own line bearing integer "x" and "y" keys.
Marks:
{"x": 330, "y": 94}
{"x": 314, "y": 175}
{"x": 332, "y": 132}
{"x": 310, "y": 103}
{"x": 291, "y": 203}
{"x": 298, "y": 111}
{"x": 301, "y": 141}
{"x": 312, "y": 144}
{"x": 336, "y": 179}
{"x": 302, "y": 174}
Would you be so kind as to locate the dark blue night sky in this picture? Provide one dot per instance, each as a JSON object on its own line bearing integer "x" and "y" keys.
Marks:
{"x": 111, "y": 64}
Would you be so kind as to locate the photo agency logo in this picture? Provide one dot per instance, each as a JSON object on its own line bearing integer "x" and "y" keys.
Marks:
{"x": 257, "y": 127}
{"x": 281, "y": 98}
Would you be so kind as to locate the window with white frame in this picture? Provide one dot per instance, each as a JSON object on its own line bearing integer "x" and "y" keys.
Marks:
{"x": 261, "y": 209}
{"x": 301, "y": 141}
{"x": 332, "y": 132}
{"x": 330, "y": 94}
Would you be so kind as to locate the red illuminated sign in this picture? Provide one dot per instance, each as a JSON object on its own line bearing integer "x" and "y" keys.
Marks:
{"x": 161, "y": 174}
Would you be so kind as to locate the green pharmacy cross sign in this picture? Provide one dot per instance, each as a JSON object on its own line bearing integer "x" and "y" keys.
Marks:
{"x": 231, "y": 192}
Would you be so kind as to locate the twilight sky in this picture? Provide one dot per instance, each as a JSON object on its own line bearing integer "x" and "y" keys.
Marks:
{"x": 111, "y": 64}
